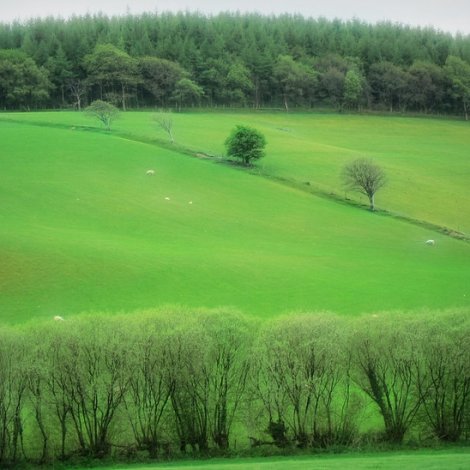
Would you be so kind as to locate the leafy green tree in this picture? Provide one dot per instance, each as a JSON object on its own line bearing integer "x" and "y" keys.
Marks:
{"x": 212, "y": 78}
{"x": 388, "y": 84}
{"x": 332, "y": 71}
{"x": 160, "y": 77}
{"x": 458, "y": 71}
{"x": 353, "y": 89}
{"x": 113, "y": 68}
{"x": 60, "y": 71}
{"x": 426, "y": 86}
{"x": 187, "y": 92}
{"x": 238, "y": 83}
{"x": 295, "y": 80}
{"x": 22, "y": 82}
{"x": 364, "y": 176}
{"x": 105, "y": 112}
{"x": 246, "y": 144}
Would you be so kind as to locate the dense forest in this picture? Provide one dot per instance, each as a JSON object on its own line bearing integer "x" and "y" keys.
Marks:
{"x": 232, "y": 59}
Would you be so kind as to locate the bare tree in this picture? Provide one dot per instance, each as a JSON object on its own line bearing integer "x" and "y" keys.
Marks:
{"x": 165, "y": 122}
{"x": 302, "y": 380}
{"x": 190, "y": 387}
{"x": 226, "y": 368}
{"x": 13, "y": 389}
{"x": 365, "y": 177}
{"x": 77, "y": 89}
{"x": 387, "y": 366}
{"x": 97, "y": 379}
{"x": 444, "y": 384}
{"x": 149, "y": 388}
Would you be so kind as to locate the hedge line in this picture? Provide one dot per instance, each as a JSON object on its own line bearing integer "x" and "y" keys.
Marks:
{"x": 178, "y": 381}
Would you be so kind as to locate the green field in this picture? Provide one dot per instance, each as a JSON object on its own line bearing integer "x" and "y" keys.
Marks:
{"x": 419, "y": 460}
{"x": 83, "y": 228}
{"x": 427, "y": 159}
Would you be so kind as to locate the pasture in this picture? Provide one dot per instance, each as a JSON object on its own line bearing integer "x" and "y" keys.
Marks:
{"x": 421, "y": 460}
{"x": 427, "y": 159}
{"x": 84, "y": 228}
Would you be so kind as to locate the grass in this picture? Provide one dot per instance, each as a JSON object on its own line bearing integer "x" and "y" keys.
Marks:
{"x": 427, "y": 160}
{"x": 419, "y": 460}
{"x": 83, "y": 228}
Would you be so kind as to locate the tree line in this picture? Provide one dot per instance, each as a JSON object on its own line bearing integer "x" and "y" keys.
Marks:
{"x": 160, "y": 384}
{"x": 232, "y": 59}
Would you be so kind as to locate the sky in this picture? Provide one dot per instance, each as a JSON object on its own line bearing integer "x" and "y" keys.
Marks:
{"x": 446, "y": 15}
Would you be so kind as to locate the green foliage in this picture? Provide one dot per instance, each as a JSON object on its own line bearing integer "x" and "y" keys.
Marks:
{"x": 427, "y": 86}
{"x": 105, "y": 112}
{"x": 246, "y": 144}
{"x": 187, "y": 92}
{"x": 22, "y": 82}
{"x": 239, "y": 83}
{"x": 113, "y": 70}
{"x": 161, "y": 383}
{"x": 242, "y": 60}
{"x": 295, "y": 80}
{"x": 458, "y": 71}
{"x": 160, "y": 77}
{"x": 353, "y": 89}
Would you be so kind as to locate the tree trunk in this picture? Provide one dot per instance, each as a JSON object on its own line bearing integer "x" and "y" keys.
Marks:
{"x": 123, "y": 97}
{"x": 465, "y": 110}
{"x": 257, "y": 105}
{"x": 372, "y": 202}
{"x": 285, "y": 103}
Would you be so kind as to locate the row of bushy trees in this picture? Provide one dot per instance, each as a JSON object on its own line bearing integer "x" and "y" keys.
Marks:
{"x": 175, "y": 381}
{"x": 232, "y": 59}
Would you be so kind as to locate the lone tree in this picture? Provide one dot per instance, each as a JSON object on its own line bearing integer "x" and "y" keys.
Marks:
{"x": 365, "y": 177}
{"x": 104, "y": 111}
{"x": 246, "y": 144}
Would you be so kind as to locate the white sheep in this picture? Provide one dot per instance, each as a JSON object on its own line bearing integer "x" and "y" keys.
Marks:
{"x": 58, "y": 318}
{"x": 150, "y": 172}
{"x": 167, "y": 198}
{"x": 430, "y": 242}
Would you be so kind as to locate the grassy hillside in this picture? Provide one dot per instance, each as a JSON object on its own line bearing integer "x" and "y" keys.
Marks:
{"x": 385, "y": 461}
{"x": 82, "y": 227}
{"x": 427, "y": 160}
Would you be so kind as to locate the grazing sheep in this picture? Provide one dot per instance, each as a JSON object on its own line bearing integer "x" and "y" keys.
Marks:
{"x": 150, "y": 172}
{"x": 190, "y": 202}
{"x": 167, "y": 198}
{"x": 58, "y": 318}
{"x": 430, "y": 242}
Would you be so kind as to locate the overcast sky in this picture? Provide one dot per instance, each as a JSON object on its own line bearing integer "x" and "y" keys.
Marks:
{"x": 447, "y": 15}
